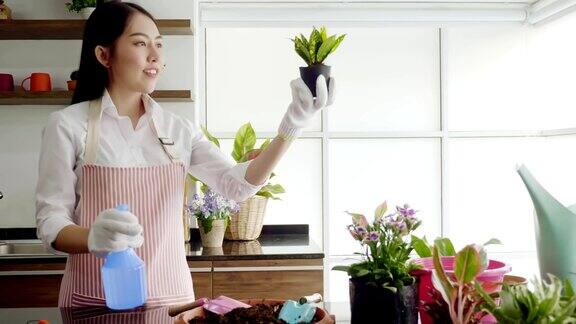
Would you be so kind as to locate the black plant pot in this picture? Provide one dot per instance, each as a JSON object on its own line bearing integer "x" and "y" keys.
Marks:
{"x": 310, "y": 73}
{"x": 370, "y": 304}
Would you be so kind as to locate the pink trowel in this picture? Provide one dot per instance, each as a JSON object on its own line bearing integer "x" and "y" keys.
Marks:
{"x": 220, "y": 305}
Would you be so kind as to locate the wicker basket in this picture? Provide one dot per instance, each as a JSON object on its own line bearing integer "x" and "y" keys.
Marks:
{"x": 247, "y": 223}
{"x": 215, "y": 237}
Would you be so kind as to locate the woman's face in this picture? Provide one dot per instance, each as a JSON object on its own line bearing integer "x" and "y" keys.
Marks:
{"x": 137, "y": 60}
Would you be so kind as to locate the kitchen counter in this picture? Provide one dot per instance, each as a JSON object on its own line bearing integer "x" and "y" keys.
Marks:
{"x": 269, "y": 246}
{"x": 57, "y": 315}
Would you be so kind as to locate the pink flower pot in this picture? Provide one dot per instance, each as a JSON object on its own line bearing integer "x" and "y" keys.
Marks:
{"x": 491, "y": 280}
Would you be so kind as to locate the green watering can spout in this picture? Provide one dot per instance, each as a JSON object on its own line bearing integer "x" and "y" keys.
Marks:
{"x": 555, "y": 227}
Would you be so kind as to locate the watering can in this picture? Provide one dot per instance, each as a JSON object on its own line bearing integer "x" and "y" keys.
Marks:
{"x": 555, "y": 227}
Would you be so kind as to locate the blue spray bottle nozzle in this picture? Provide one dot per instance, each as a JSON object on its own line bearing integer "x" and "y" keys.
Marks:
{"x": 123, "y": 207}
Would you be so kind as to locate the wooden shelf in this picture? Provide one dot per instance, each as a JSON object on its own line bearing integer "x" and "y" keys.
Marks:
{"x": 65, "y": 97}
{"x": 73, "y": 29}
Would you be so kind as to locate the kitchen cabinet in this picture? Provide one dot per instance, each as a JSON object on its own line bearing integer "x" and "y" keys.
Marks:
{"x": 201, "y": 272}
{"x": 271, "y": 279}
{"x": 36, "y": 284}
{"x": 30, "y": 285}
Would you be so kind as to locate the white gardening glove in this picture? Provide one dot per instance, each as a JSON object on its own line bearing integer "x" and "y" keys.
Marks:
{"x": 114, "y": 230}
{"x": 303, "y": 106}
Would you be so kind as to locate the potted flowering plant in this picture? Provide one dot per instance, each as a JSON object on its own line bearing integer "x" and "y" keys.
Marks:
{"x": 213, "y": 213}
{"x": 247, "y": 224}
{"x": 314, "y": 51}
{"x": 382, "y": 289}
{"x": 82, "y": 6}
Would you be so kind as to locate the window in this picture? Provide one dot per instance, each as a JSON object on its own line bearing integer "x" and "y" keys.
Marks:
{"x": 434, "y": 115}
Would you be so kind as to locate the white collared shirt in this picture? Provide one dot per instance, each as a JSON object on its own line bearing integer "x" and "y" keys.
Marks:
{"x": 64, "y": 143}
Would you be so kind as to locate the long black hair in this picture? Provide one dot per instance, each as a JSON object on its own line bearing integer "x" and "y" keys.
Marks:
{"x": 105, "y": 25}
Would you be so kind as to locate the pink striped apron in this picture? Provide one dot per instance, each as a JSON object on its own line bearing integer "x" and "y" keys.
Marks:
{"x": 155, "y": 195}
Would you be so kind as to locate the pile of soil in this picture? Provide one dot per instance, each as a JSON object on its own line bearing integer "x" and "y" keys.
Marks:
{"x": 257, "y": 314}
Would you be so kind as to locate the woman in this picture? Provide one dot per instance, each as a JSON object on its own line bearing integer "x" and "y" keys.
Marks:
{"x": 115, "y": 145}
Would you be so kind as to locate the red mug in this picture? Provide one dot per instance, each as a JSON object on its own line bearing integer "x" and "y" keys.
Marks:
{"x": 6, "y": 82}
{"x": 38, "y": 82}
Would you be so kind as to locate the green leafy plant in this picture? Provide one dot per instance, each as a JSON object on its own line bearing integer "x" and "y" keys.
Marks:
{"x": 444, "y": 245}
{"x": 463, "y": 294}
{"x": 549, "y": 302}
{"x": 243, "y": 151}
{"x": 387, "y": 253}
{"x": 78, "y": 5}
{"x": 318, "y": 46}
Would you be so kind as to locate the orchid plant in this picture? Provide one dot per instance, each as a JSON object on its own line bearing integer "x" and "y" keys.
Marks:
{"x": 210, "y": 207}
{"x": 386, "y": 247}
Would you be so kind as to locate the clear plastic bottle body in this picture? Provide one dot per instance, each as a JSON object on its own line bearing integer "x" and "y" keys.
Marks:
{"x": 124, "y": 278}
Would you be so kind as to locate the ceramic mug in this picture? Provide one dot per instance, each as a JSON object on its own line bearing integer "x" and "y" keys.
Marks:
{"x": 6, "y": 82}
{"x": 38, "y": 82}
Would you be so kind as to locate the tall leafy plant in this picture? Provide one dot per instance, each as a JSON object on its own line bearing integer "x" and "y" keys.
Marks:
{"x": 244, "y": 150}
{"x": 318, "y": 46}
{"x": 78, "y": 5}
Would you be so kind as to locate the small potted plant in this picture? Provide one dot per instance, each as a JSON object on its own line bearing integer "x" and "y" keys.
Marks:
{"x": 213, "y": 213}
{"x": 85, "y": 7}
{"x": 314, "y": 51}
{"x": 548, "y": 302}
{"x": 72, "y": 82}
{"x": 490, "y": 277}
{"x": 382, "y": 289}
{"x": 247, "y": 223}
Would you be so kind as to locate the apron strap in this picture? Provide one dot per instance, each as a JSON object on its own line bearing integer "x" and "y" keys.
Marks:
{"x": 93, "y": 135}
{"x": 166, "y": 142}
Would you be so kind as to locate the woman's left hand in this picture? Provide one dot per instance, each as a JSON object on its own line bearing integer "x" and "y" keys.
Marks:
{"x": 304, "y": 106}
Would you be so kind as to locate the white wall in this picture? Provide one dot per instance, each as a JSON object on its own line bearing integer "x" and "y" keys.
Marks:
{"x": 21, "y": 126}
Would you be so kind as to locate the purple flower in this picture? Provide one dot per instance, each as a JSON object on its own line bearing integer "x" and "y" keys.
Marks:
{"x": 406, "y": 211}
{"x": 373, "y": 236}
{"x": 212, "y": 205}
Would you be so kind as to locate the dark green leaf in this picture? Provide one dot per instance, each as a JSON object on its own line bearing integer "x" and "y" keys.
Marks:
{"x": 325, "y": 48}
{"x": 467, "y": 265}
{"x": 338, "y": 41}
{"x": 445, "y": 247}
{"x": 421, "y": 247}
{"x": 244, "y": 141}
{"x": 341, "y": 268}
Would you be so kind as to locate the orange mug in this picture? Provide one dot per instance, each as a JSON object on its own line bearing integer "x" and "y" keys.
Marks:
{"x": 38, "y": 82}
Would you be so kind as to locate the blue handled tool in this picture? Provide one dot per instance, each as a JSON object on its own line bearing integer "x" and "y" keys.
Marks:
{"x": 292, "y": 312}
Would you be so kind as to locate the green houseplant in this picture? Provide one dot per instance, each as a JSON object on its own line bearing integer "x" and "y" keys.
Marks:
{"x": 314, "y": 51}
{"x": 247, "y": 223}
{"x": 82, "y": 6}
{"x": 548, "y": 302}
{"x": 382, "y": 289}
{"x": 432, "y": 306}
{"x": 461, "y": 291}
